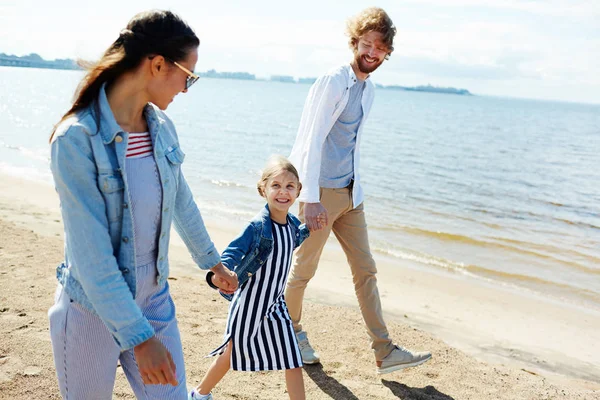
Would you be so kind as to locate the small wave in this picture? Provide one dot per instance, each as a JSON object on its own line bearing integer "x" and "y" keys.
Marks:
{"x": 567, "y": 252}
{"x": 519, "y": 281}
{"x": 516, "y": 247}
{"x": 577, "y": 223}
{"x": 226, "y": 211}
{"x": 38, "y": 154}
{"x": 224, "y": 183}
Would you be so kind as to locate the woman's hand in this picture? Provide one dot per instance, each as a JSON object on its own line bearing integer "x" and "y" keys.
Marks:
{"x": 225, "y": 279}
{"x": 155, "y": 363}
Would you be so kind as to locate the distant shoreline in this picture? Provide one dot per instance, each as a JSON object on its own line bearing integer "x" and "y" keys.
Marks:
{"x": 35, "y": 61}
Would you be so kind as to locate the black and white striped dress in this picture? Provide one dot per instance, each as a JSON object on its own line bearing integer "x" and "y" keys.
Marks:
{"x": 258, "y": 323}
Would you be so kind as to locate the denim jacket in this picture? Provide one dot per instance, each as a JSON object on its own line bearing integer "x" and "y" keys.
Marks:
{"x": 251, "y": 249}
{"x": 88, "y": 166}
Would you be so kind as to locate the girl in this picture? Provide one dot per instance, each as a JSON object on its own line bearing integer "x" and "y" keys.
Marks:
{"x": 116, "y": 163}
{"x": 259, "y": 335}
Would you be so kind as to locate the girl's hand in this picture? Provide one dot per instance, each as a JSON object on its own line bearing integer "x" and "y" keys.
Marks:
{"x": 321, "y": 222}
{"x": 225, "y": 279}
{"x": 220, "y": 285}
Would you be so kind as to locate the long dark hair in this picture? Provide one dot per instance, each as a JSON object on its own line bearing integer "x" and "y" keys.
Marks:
{"x": 153, "y": 32}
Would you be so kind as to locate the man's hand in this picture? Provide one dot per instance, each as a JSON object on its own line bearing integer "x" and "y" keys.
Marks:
{"x": 225, "y": 279}
{"x": 155, "y": 363}
{"x": 315, "y": 216}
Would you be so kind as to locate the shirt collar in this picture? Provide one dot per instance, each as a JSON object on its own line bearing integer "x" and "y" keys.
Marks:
{"x": 352, "y": 79}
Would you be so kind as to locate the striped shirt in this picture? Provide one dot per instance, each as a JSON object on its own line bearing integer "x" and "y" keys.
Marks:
{"x": 139, "y": 145}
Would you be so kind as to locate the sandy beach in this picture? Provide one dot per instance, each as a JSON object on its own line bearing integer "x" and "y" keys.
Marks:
{"x": 488, "y": 341}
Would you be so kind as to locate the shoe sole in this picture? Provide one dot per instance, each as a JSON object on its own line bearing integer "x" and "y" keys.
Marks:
{"x": 312, "y": 362}
{"x": 398, "y": 367}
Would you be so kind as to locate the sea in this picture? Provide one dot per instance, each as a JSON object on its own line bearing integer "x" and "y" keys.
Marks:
{"x": 502, "y": 190}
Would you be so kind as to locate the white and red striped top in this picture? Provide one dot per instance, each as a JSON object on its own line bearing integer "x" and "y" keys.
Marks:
{"x": 139, "y": 145}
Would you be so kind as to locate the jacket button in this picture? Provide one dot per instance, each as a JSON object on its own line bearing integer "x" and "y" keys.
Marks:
{"x": 125, "y": 239}
{"x": 125, "y": 270}
{"x": 249, "y": 273}
{"x": 125, "y": 205}
{"x": 118, "y": 139}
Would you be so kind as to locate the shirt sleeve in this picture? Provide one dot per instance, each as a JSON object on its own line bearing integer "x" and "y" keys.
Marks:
{"x": 316, "y": 123}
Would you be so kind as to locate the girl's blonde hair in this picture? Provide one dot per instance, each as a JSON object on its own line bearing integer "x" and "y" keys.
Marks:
{"x": 276, "y": 165}
{"x": 371, "y": 19}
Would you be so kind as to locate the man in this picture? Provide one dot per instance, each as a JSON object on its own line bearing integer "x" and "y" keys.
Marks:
{"x": 326, "y": 154}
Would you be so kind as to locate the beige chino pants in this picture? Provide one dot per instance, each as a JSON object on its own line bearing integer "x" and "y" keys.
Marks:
{"x": 350, "y": 227}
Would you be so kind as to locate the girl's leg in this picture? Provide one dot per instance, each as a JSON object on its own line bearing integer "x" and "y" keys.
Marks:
{"x": 295, "y": 383}
{"x": 85, "y": 354}
{"x": 216, "y": 371}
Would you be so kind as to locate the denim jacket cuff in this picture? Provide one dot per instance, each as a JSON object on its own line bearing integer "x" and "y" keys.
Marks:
{"x": 209, "y": 276}
{"x": 207, "y": 261}
{"x": 134, "y": 334}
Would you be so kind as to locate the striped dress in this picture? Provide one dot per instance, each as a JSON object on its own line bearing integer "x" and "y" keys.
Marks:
{"x": 258, "y": 324}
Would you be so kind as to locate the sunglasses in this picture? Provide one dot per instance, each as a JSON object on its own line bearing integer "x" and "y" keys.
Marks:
{"x": 191, "y": 78}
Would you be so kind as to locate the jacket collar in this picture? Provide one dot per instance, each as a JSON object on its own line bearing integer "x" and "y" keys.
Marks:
{"x": 352, "y": 78}
{"x": 265, "y": 219}
{"x": 109, "y": 128}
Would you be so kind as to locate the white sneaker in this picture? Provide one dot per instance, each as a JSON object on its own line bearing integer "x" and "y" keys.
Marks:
{"x": 309, "y": 355}
{"x": 193, "y": 395}
{"x": 401, "y": 358}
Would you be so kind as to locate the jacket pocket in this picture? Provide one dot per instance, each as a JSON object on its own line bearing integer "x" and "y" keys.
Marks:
{"x": 175, "y": 157}
{"x": 112, "y": 188}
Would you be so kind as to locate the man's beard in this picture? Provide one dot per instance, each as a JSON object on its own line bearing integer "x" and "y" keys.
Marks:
{"x": 364, "y": 67}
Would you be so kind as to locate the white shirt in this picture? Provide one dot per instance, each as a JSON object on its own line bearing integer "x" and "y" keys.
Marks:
{"x": 325, "y": 102}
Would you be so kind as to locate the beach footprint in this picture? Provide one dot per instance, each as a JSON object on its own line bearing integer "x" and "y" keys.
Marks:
{"x": 9, "y": 367}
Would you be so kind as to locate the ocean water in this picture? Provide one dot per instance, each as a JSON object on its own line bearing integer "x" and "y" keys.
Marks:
{"x": 502, "y": 190}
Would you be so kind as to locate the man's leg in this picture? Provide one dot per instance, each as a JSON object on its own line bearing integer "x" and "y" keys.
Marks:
{"x": 305, "y": 264}
{"x": 335, "y": 202}
{"x": 351, "y": 231}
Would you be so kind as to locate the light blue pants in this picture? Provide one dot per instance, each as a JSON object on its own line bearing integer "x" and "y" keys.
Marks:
{"x": 86, "y": 355}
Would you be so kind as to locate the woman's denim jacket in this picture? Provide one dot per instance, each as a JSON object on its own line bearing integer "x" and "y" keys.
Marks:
{"x": 88, "y": 166}
{"x": 251, "y": 249}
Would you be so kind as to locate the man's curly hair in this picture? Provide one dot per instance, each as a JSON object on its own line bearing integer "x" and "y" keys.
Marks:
{"x": 371, "y": 19}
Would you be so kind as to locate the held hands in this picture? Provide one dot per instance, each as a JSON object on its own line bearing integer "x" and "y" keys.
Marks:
{"x": 316, "y": 216}
{"x": 155, "y": 363}
{"x": 225, "y": 279}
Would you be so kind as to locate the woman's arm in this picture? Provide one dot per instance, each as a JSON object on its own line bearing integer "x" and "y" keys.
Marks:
{"x": 88, "y": 242}
{"x": 190, "y": 227}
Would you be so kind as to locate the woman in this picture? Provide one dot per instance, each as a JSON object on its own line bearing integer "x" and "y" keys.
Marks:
{"x": 116, "y": 163}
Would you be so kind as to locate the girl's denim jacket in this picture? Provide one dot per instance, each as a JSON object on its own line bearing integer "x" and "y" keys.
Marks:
{"x": 251, "y": 249}
{"x": 88, "y": 166}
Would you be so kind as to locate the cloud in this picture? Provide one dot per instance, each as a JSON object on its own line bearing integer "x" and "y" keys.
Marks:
{"x": 583, "y": 9}
{"x": 501, "y": 69}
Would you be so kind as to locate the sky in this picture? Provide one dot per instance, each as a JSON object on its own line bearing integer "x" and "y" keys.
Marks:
{"x": 515, "y": 48}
